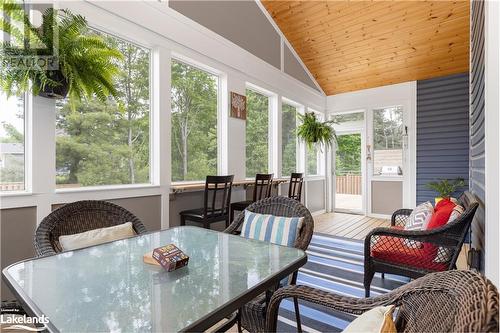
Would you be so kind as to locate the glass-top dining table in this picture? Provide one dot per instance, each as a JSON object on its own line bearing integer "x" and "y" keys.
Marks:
{"x": 109, "y": 287}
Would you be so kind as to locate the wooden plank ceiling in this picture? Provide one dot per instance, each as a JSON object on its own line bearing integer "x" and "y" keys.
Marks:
{"x": 349, "y": 46}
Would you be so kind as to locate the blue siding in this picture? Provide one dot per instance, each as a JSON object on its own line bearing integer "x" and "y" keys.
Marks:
{"x": 442, "y": 131}
{"x": 477, "y": 152}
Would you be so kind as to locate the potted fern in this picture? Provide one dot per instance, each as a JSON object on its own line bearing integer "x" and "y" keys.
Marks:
{"x": 446, "y": 187}
{"x": 312, "y": 131}
{"x": 85, "y": 64}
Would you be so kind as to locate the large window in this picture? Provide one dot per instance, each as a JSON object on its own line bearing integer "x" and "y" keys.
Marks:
{"x": 289, "y": 139}
{"x": 11, "y": 143}
{"x": 314, "y": 157}
{"x": 257, "y": 133}
{"x": 388, "y": 141}
{"x": 194, "y": 122}
{"x": 108, "y": 143}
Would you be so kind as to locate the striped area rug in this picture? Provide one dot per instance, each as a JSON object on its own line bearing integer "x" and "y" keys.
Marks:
{"x": 335, "y": 264}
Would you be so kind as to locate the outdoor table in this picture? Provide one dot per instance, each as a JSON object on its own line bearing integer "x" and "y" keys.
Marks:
{"x": 109, "y": 288}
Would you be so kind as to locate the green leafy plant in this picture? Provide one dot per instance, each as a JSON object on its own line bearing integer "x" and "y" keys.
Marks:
{"x": 85, "y": 64}
{"x": 446, "y": 187}
{"x": 313, "y": 131}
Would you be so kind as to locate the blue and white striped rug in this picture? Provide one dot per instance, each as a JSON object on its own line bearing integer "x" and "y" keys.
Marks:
{"x": 335, "y": 264}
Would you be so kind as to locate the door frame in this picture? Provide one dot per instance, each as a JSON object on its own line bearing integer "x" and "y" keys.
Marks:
{"x": 364, "y": 184}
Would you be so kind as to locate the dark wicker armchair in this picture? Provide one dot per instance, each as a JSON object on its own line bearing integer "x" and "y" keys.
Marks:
{"x": 253, "y": 314}
{"x": 453, "y": 301}
{"x": 416, "y": 253}
{"x": 80, "y": 216}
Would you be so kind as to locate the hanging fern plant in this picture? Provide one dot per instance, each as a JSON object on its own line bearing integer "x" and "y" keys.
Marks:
{"x": 312, "y": 131}
{"x": 85, "y": 64}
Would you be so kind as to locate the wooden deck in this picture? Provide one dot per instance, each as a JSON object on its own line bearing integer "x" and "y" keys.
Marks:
{"x": 347, "y": 225}
{"x": 358, "y": 226}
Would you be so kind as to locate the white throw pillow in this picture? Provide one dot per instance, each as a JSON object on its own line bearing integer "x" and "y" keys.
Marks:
{"x": 96, "y": 236}
{"x": 376, "y": 320}
{"x": 417, "y": 220}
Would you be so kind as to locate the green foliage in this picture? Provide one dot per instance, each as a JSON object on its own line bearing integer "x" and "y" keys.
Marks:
{"x": 194, "y": 122}
{"x": 446, "y": 187}
{"x": 13, "y": 135}
{"x": 348, "y": 155}
{"x": 388, "y": 128}
{"x": 288, "y": 139}
{"x": 257, "y": 126}
{"x": 106, "y": 143}
{"x": 314, "y": 132}
{"x": 87, "y": 63}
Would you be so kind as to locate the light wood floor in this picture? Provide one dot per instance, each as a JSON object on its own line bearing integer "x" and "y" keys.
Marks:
{"x": 347, "y": 225}
{"x": 358, "y": 226}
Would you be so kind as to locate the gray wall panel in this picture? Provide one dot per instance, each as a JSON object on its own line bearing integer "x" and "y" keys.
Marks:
{"x": 477, "y": 152}
{"x": 387, "y": 196}
{"x": 293, "y": 68}
{"x": 241, "y": 22}
{"x": 17, "y": 227}
{"x": 442, "y": 131}
{"x": 316, "y": 195}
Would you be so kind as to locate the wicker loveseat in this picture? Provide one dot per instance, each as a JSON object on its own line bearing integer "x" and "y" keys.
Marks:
{"x": 452, "y": 301}
{"x": 416, "y": 253}
{"x": 253, "y": 314}
{"x": 78, "y": 217}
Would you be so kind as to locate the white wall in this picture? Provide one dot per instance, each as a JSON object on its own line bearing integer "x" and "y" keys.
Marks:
{"x": 167, "y": 33}
{"x": 492, "y": 140}
{"x": 368, "y": 99}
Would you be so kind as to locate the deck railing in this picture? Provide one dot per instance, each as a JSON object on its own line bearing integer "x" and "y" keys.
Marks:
{"x": 349, "y": 184}
{"x": 14, "y": 186}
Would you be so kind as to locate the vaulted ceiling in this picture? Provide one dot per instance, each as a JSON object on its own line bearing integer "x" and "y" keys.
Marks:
{"x": 349, "y": 46}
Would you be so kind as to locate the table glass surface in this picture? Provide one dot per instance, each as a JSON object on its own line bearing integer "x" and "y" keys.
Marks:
{"x": 109, "y": 287}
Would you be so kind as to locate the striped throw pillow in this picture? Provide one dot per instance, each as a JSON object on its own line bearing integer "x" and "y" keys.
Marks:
{"x": 275, "y": 229}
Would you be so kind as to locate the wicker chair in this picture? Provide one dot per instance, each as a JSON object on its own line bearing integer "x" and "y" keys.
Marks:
{"x": 78, "y": 217}
{"x": 416, "y": 253}
{"x": 253, "y": 315}
{"x": 453, "y": 301}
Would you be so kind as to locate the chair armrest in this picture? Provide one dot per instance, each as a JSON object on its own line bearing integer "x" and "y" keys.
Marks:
{"x": 400, "y": 217}
{"x": 344, "y": 304}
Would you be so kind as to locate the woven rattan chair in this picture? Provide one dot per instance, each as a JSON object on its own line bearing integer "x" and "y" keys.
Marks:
{"x": 253, "y": 315}
{"x": 453, "y": 301}
{"x": 80, "y": 216}
{"x": 416, "y": 253}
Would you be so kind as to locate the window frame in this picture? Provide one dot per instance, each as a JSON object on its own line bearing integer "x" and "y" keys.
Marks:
{"x": 154, "y": 180}
{"x": 27, "y": 154}
{"x": 221, "y": 118}
{"x": 404, "y": 166}
{"x": 299, "y": 145}
{"x": 272, "y": 126}
{"x": 320, "y": 154}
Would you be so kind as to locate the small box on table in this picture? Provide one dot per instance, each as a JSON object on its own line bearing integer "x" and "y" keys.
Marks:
{"x": 170, "y": 257}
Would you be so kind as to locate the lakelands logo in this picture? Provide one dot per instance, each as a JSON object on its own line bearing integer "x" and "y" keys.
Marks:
{"x": 33, "y": 324}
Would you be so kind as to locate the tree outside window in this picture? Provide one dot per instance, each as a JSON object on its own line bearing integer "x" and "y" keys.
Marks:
{"x": 108, "y": 143}
{"x": 194, "y": 122}
{"x": 257, "y": 137}
{"x": 289, "y": 139}
{"x": 11, "y": 143}
{"x": 387, "y": 138}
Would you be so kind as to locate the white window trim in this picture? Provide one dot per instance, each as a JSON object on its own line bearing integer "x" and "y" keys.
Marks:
{"x": 271, "y": 125}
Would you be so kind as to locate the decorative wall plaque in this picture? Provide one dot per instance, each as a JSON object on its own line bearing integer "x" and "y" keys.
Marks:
{"x": 238, "y": 106}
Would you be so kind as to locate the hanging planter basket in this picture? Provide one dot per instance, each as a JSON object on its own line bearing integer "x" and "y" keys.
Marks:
{"x": 59, "y": 91}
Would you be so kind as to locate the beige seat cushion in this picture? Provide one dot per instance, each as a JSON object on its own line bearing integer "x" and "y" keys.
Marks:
{"x": 376, "y": 320}
{"x": 96, "y": 236}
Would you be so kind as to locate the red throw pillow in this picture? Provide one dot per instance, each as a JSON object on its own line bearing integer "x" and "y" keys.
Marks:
{"x": 441, "y": 215}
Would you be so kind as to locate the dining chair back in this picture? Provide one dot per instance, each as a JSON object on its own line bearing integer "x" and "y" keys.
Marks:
{"x": 217, "y": 196}
{"x": 295, "y": 188}
{"x": 263, "y": 186}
